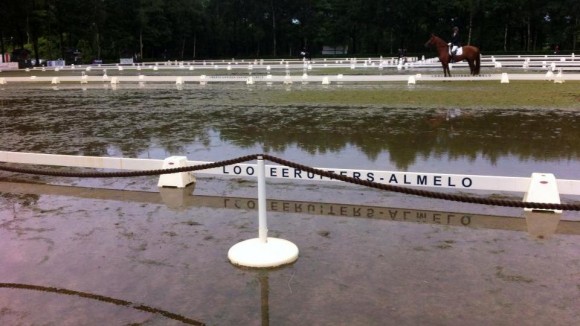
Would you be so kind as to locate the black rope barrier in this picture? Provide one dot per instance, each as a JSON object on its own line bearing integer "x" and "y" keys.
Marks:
{"x": 426, "y": 193}
{"x": 330, "y": 175}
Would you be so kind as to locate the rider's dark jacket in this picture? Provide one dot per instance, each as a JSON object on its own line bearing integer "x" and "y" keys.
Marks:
{"x": 455, "y": 39}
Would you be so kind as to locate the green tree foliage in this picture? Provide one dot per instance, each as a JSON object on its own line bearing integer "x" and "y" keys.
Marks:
{"x": 188, "y": 29}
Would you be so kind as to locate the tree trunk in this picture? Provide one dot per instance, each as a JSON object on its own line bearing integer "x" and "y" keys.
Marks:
{"x": 529, "y": 35}
{"x": 194, "y": 45}
{"x": 183, "y": 48}
{"x": 98, "y": 44}
{"x": 470, "y": 27}
{"x": 1, "y": 46}
{"x": 274, "y": 41}
{"x": 62, "y": 49}
{"x": 141, "y": 43}
{"x": 35, "y": 48}
{"x": 505, "y": 34}
{"x": 574, "y": 35}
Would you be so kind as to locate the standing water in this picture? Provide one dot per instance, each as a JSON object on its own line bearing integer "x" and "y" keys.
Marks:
{"x": 366, "y": 257}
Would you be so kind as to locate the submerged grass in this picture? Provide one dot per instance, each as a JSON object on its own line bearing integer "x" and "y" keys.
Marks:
{"x": 476, "y": 94}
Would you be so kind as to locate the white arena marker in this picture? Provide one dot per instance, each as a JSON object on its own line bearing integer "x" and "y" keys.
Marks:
{"x": 325, "y": 81}
{"x": 178, "y": 179}
{"x": 549, "y": 75}
{"x": 55, "y": 80}
{"x": 263, "y": 252}
{"x": 114, "y": 81}
{"x": 179, "y": 81}
{"x": 559, "y": 79}
{"x": 411, "y": 80}
{"x": 504, "y": 78}
{"x": 543, "y": 188}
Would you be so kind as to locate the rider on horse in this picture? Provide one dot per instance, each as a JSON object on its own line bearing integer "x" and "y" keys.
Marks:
{"x": 455, "y": 42}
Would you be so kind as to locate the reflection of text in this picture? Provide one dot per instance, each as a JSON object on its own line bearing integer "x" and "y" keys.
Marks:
{"x": 393, "y": 214}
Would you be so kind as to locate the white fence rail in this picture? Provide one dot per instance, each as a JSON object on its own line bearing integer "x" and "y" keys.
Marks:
{"x": 415, "y": 179}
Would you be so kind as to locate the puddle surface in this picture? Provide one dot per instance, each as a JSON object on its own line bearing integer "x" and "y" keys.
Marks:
{"x": 366, "y": 257}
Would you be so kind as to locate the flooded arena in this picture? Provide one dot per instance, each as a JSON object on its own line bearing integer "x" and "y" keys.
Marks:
{"x": 122, "y": 251}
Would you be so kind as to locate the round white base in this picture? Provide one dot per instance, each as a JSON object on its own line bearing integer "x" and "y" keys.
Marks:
{"x": 255, "y": 253}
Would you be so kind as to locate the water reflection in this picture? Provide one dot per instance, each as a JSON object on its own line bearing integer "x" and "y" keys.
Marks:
{"x": 135, "y": 121}
{"x": 538, "y": 225}
{"x": 264, "y": 298}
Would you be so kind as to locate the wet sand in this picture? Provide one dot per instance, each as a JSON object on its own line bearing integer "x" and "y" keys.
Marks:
{"x": 124, "y": 252}
{"x": 168, "y": 251}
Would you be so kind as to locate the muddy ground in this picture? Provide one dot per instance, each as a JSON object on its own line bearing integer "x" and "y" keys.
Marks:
{"x": 124, "y": 252}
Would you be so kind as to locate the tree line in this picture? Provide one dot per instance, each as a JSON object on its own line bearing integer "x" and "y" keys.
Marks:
{"x": 107, "y": 30}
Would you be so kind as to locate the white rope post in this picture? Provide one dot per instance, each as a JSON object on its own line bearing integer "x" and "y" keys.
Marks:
{"x": 263, "y": 252}
{"x": 262, "y": 217}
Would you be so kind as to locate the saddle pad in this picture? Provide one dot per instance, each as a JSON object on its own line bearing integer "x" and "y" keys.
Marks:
{"x": 459, "y": 51}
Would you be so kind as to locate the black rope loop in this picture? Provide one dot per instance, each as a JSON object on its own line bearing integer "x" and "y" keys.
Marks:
{"x": 330, "y": 175}
{"x": 425, "y": 193}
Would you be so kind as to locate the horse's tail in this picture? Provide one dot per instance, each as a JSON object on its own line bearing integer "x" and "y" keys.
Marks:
{"x": 477, "y": 63}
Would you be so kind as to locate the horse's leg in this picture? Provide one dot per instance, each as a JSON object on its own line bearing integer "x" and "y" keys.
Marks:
{"x": 471, "y": 66}
{"x": 445, "y": 63}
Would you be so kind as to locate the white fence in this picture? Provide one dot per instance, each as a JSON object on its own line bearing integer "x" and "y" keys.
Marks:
{"x": 415, "y": 179}
{"x": 264, "y": 251}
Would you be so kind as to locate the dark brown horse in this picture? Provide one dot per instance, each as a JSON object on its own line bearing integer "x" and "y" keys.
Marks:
{"x": 470, "y": 53}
